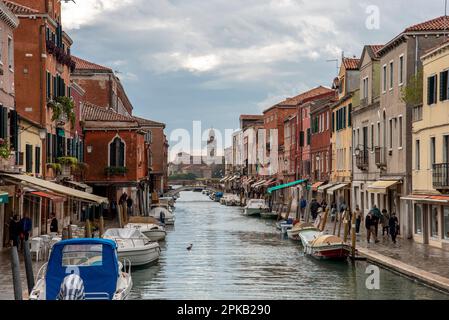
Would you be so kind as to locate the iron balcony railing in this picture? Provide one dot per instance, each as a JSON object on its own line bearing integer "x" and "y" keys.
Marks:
{"x": 380, "y": 156}
{"x": 362, "y": 159}
{"x": 441, "y": 176}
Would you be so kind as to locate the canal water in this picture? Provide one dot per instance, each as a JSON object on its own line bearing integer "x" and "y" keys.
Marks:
{"x": 238, "y": 257}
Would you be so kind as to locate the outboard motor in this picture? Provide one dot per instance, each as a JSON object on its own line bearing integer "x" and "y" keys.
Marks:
{"x": 162, "y": 217}
{"x": 72, "y": 288}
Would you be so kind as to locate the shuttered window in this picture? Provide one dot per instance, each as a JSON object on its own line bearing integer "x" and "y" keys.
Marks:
{"x": 301, "y": 139}
{"x": 3, "y": 122}
{"x": 49, "y": 148}
{"x": 117, "y": 153}
{"x": 29, "y": 158}
{"x": 14, "y": 129}
{"x": 333, "y": 121}
{"x": 309, "y": 136}
{"x": 432, "y": 90}
{"x": 48, "y": 85}
{"x": 444, "y": 85}
{"x": 54, "y": 146}
{"x": 37, "y": 162}
{"x": 350, "y": 115}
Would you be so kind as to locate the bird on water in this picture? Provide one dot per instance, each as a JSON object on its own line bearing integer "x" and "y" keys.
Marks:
{"x": 189, "y": 247}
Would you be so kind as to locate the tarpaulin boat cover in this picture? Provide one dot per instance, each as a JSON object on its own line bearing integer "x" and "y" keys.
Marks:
{"x": 327, "y": 240}
{"x": 99, "y": 275}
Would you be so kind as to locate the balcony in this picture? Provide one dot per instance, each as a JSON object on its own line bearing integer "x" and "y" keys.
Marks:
{"x": 380, "y": 156}
{"x": 363, "y": 102}
{"x": 441, "y": 176}
{"x": 362, "y": 159}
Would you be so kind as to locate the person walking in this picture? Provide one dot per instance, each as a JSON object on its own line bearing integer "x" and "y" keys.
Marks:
{"x": 54, "y": 223}
{"x": 358, "y": 219}
{"x": 14, "y": 230}
{"x": 333, "y": 212}
{"x": 129, "y": 204}
{"x": 370, "y": 227}
{"x": 375, "y": 213}
{"x": 393, "y": 225}
{"x": 314, "y": 208}
{"x": 302, "y": 206}
{"x": 25, "y": 229}
{"x": 385, "y": 222}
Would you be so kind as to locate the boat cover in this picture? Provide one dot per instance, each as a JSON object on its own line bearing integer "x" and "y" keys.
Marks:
{"x": 327, "y": 240}
{"x": 303, "y": 226}
{"x": 127, "y": 233}
{"x": 99, "y": 276}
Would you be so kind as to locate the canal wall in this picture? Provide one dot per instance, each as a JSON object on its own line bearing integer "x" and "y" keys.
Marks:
{"x": 428, "y": 278}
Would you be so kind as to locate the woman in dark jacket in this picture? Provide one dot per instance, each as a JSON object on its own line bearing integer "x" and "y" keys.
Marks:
{"x": 14, "y": 230}
{"x": 393, "y": 225}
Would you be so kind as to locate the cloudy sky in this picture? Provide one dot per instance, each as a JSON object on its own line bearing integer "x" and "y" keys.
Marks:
{"x": 186, "y": 60}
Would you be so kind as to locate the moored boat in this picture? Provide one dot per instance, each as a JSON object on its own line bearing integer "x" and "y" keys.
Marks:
{"x": 255, "y": 207}
{"x": 92, "y": 261}
{"x": 148, "y": 226}
{"x": 269, "y": 215}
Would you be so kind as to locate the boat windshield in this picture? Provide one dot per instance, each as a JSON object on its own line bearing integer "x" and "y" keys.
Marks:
{"x": 82, "y": 255}
{"x": 309, "y": 235}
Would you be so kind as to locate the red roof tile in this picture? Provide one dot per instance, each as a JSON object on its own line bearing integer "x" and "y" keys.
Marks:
{"x": 82, "y": 64}
{"x": 376, "y": 48}
{"x": 95, "y": 113}
{"x": 437, "y": 24}
{"x": 351, "y": 63}
{"x": 251, "y": 117}
{"x": 19, "y": 9}
{"x": 308, "y": 95}
{"x": 147, "y": 122}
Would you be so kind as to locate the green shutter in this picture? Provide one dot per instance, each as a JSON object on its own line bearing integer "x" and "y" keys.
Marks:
{"x": 333, "y": 122}
{"x": 14, "y": 129}
{"x": 38, "y": 160}
{"x": 350, "y": 115}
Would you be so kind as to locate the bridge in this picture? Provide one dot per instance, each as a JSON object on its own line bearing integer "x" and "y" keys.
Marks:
{"x": 176, "y": 191}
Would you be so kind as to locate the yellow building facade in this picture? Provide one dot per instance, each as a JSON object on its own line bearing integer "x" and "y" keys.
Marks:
{"x": 29, "y": 159}
{"x": 431, "y": 152}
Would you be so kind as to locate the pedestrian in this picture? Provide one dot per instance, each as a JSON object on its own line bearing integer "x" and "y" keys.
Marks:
{"x": 377, "y": 215}
{"x": 358, "y": 219}
{"x": 25, "y": 228}
{"x": 123, "y": 198}
{"x": 129, "y": 204}
{"x": 314, "y": 208}
{"x": 14, "y": 230}
{"x": 370, "y": 227}
{"x": 393, "y": 225}
{"x": 385, "y": 222}
{"x": 302, "y": 206}
{"x": 333, "y": 212}
{"x": 54, "y": 223}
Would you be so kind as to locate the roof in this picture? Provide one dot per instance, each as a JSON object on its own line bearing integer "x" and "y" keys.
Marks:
{"x": 147, "y": 122}
{"x": 351, "y": 63}
{"x": 437, "y": 24}
{"x": 435, "y": 50}
{"x": 19, "y": 9}
{"x": 82, "y": 64}
{"x": 8, "y": 16}
{"x": 96, "y": 113}
{"x": 251, "y": 117}
{"x": 376, "y": 48}
{"x": 303, "y": 97}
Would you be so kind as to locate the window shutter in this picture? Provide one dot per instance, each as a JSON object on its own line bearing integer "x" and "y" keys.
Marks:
{"x": 301, "y": 139}
{"x": 435, "y": 91}
{"x": 38, "y": 160}
{"x": 112, "y": 154}
{"x": 3, "y": 122}
{"x": 308, "y": 137}
{"x": 14, "y": 129}
{"x": 344, "y": 117}
{"x": 121, "y": 154}
{"x": 49, "y": 149}
{"x": 333, "y": 122}
{"x": 29, "y": 158}
{"x": 349, "y": 115}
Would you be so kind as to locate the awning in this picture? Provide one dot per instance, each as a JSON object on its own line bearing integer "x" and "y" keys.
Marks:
{"x": 259, "y": 183}
{"x": 83, "y": 196}
{"x": 224, "y": 179}
{"x": 322, "y": 189}
{"x": 286, "y": 185}
{"x": 382, "y": 186}
{"x": 337, "y": 187}
{"x": 49, "y": 196}
{"x": 249, "y": 181}
{"x": 427, "y": 198}
{"x": 269, "y": 183}
{"x": 80, "y": 185}
{"x": 233, "y": 178}
{"x": 316, "y": 185}
{"x": 4, "y": 197}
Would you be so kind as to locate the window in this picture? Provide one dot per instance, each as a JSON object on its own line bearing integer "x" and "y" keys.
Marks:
{"x": 117, "y": 153}
{"x": 29, "y": 158}
{"x": 372, "y": 137}
{"x": 446, "y": 222}
{"x": 48, "y": 85}
{"x": 418, "y": 219}
{"x": 391, "y": 75}
{"x": 400, "y": 132}
{"x": 417, "y": 155}
{"x": 365, "y": 88}
{"x": 384, "y": 78}
{"x": 10, "y": 54}
{"x": 378, "y": 134}
{"x": 333, "y": 121}
{"x": 82, "y": 255}
{"x": 37, "y": 162}
{"x": 327, "y": 120}
{"x": 350, "y": 115}
{"x": 391, "y": 133}
{"x": 301, "y": 139}
{"x": 444, "y": 85}
{"x": 417, "y": 113}
{"x": 401, "y": 70}
{"x": 308, "y": 137}
{"x": 432, "y": 90}
{"x": 434, "y": 221}
{"x": 432, "y": 152}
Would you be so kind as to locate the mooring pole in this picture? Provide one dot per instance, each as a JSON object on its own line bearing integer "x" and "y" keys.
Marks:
{"x": 28, "y": 266}
{"x": 16, "y": 274}
{"x": 353, "y": 235}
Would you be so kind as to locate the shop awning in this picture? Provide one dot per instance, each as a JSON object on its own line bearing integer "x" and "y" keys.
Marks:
{"x": 286, "y": 185}
{"x": 49, "y": 196}
{"x": 259, "y": 183}
{"x": 224, "y": 179}
{"x": 57, "y": 188}
{"x": 4, "y": 197}
{"x": 233, "y": 178}
{"x": 80, "y": 185}
{"x": 322, "y": 189}
{"x": 316, "y": 185}
{"x": 382, "y": 186}
{"x": 269, "y": 183}
{"x": 337, "y": 187}
{"x": 427, "y": 198}
{"x": 249, "y": 181}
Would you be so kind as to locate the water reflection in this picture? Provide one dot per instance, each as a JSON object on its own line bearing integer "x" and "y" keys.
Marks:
{"x": 237, "y": 257}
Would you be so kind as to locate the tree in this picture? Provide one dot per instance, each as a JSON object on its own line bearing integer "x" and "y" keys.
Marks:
{"x": 412, "y": 93}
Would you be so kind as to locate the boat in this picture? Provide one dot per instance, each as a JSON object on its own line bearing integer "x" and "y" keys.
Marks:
{"x": 218, "y": 196}
{"x": 321, "y": 246}
{"x": 255, "y": 207}
{"x": 269, "y": 215}
{"x": 158, "y": 209}
{"x": 198, "y": 189}
{"x": 149, "y": 226}
{"x": 134, "y": 246}
{"x": 94, "y": 261}
{"x": 293, "y": 233}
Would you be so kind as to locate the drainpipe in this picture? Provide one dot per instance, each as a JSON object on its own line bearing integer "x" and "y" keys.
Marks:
{"x": 41, "y": 105}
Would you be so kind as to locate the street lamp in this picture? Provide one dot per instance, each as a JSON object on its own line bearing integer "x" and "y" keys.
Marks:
{"x": 43, "y": 134}
{"x": 89, "y": 149}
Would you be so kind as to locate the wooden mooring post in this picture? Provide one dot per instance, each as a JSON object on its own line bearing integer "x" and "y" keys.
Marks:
{"x": 15, "y": 267}
{"x": 28, "y": 266}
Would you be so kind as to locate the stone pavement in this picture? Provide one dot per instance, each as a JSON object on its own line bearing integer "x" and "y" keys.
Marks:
{"x": 425, "y": 263}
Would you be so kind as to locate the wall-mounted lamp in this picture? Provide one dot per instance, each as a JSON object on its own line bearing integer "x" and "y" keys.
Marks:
{"x": 89, "y": 149}
{"x": 42, "y": 134}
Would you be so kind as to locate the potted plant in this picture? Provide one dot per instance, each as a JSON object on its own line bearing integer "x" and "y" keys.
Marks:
{"x": 63, "y": 106}
{"x": 67, "y": 164}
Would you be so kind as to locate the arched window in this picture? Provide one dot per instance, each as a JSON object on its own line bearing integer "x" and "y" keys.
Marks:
{"x": 117, "y": 153}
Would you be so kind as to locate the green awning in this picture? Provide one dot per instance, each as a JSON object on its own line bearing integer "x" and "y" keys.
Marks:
{"x": 287, "y": 185}
{"x": 61, "y": 132}
{"x": 4, "y": 197}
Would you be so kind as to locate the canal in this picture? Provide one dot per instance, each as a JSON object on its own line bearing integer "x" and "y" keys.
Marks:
{"x": 238, "y": 257}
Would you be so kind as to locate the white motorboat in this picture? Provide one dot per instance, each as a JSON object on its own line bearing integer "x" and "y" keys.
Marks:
{"x": 269, "y": 215}
{"x": 152, "y": 231}
{"x": 255, "y": 207}
{"x": 293, "y": 233}
{"x": 159, "y": 210}
{"x": 91, "y": 261}
{"x": 134, "y": 246}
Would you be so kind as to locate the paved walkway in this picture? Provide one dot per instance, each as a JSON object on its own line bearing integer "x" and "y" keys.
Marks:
{"x": 425, "y": 263}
